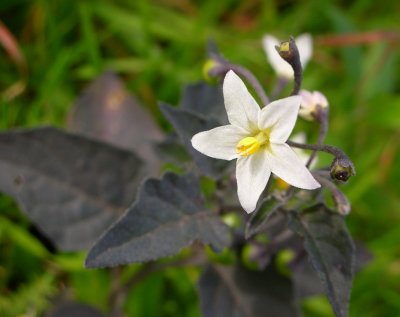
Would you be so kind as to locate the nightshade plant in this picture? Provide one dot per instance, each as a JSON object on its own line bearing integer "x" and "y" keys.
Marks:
{"x": 92, "y": 188}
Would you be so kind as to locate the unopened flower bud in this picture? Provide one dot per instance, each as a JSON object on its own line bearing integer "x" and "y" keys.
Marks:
{"x": 209, "y": 69}
{"x": 288, "y": 51}
{"x": 304, "y": 44}
{"x": 342, "y": 169}
{"x": 314, "y": 105}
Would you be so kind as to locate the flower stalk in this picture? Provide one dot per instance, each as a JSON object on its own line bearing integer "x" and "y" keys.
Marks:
{"x": 342, "y": 167}
{"x": 289, "y": 52}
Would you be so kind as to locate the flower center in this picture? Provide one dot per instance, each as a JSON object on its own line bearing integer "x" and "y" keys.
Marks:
{"x": 250, "y": 145}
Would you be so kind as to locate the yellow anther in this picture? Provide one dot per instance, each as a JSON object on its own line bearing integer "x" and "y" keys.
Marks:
{"x": 247, "y": 146}
{"x": 284, "y": 47}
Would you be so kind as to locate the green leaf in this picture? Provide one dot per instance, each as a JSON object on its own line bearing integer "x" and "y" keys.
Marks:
{"x": 23, "y": 238}
{"x": 70, "y": 187}
{"x": 167, "y": 216}
{"x": 34, "y": 295}
{"x": 331, "y": 251}
{"x": 240, "y": 292}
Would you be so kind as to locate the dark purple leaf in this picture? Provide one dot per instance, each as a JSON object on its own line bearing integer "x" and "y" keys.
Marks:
{"x": 206, "y": 101}
{"x": 71, "y": 187}
{"x": 187, "y": 124}
{"x": 107, "y": 112}
{"x": 167, "y": 216}
{"x": 305, "y": 279}
{"x": 259, "y": 220}
{"x": 236, "y": 291}
{"x": 331, "y": 251}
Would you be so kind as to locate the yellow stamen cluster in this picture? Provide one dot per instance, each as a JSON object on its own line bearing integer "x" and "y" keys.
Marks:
{"x": 247, "y": 146}
{"x": 250, "y": 145}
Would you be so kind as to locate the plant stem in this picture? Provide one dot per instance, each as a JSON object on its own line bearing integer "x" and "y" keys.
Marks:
{"x": 252, "y": 81}
{"x": 289, "y": 52}
{"x": 323, "y": 148}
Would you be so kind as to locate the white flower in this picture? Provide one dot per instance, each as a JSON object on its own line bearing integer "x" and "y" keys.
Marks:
{"x": 256, "y": 138}
{"x": 310, "y": 103}
{"x": 304, "y": 44}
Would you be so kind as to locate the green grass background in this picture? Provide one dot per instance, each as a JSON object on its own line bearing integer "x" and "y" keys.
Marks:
{"x": 157, "y": 46}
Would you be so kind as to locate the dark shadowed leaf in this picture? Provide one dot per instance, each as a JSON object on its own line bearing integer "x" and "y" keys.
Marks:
{"x": 72, "y": 188}
{"x": 107, "y": 112}
{"x": 236, "y": 291}
{"x": 206, "y": 101}
{"x": 274, "y": 225}
{"x": 258, "y": 221}
{"x": 167, "y": 216}
{"x": 171, "y": 150}
{"x": 331, "y": 251}
{"x": 305, "y": 280}
{"x": 187, "y": 124}
{"x": 74, "y": 310}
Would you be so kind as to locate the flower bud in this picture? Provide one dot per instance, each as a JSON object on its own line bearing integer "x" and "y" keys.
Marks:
{"x": 314, "y": 105}
{"x": 288, "y": 51}
{"x": 208, "y": 69}
{"x": 342, "y": 169}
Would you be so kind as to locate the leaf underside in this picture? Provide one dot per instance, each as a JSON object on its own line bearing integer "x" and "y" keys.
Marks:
{"x": 331, "y": 252}
{"x": 167, "y": 216}
{"x": 71, "y": 187}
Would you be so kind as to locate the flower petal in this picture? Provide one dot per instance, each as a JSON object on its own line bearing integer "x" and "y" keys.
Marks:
{"x": 219, "y": 142}
{"x": 285, "y": 164}
{"x": 240, "y": 105}
{"x": 304, "y": 44}
{"x": 281, "y": 67}
{"x": 280, "y": 116}
{"x": 320, "y": 99}
{"x": 307, "y": 105}
{"x": 252, "y": 174}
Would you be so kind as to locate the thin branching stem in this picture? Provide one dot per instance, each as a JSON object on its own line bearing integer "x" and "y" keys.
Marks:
{"x": 252, "y": 80}
{"x": 323, "y": 148}
{"x": 289, "y": 52}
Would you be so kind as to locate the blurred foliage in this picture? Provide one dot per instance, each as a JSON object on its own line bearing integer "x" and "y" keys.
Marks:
{"x": 157, "y": 46}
